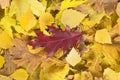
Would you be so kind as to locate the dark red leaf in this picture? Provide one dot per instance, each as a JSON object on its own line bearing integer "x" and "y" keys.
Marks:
{"x": 60, "y": 39}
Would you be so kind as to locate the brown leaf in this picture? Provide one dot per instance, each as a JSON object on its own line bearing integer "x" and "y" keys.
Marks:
{"x": 108, "y": 5}
{"x": 22, "y": 57}
{"x": 9, "y": 66}
{"x": 95, "y": 67}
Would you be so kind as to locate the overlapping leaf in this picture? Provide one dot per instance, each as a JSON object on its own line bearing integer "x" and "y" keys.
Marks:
{"x": 60, "y": 39}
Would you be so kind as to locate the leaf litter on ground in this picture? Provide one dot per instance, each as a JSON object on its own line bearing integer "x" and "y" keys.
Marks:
{"x": 37, "y": 44}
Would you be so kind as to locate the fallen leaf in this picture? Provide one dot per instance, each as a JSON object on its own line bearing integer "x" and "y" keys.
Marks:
{"x": 19, "y": 7}
{"x": 68, "y": 4}
{"x": 117, "y": 9}
{"x": 73, "y": 58}
{"x": 4, "y": 3}
{"x": 5, "y": 40}
{"x": 19, "y": 74}
{"x": 4, "y": 78}
{"x": 102, "y": 36}
{"x": 9, "y": 66}
{"x": 83, "y": 75}
{"x": 27, "y": 20}
{"x": 110, "y": 74}
{"x": 94, "y": 67}
{"x": 8, "y": 23}
{"x": 60, "y": 39}
{"x": 22, "y": 57}
{"x": 34, "y": 51}
{"x": 53, "y": 72}
{"x": 2, "y": 61}
{"x": 45, "y": 19}
{"x": 70, "y": 20}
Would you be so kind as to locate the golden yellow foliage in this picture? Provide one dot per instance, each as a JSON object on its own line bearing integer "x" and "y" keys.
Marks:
{"x": 102, "y": 36}
{"x": 27, "y": 20}
{"x": 2, "y": 61}
{"x": 5, "y": 40}
{"x": 19, "y": 74}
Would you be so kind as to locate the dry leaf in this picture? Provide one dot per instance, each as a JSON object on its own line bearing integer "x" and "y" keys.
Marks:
{"x": 102, "y": 36}
{"x": 70, "y": 20}
{"x": 73, "y": 57}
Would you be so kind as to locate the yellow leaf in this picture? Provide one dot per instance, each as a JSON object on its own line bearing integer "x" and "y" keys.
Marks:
{"x": 73, "y": 57}
{"x": 5, "y": 40}
{"x": 2, "y": 61}
{"x": 102, "y": 36}
{"x": 54, "y": 72}
{"x": 110, "y": 74}
{"x": 70, "y": 20}
{"x": 34, "y": 51}
{"x": 4, "y": 78}
{"x": 19, "y": 7}
{"x": 44, "y": 20}
{"x": 7, "y": 22}
{"x": 27, "y": 20}
{"x": 118, "y": 21}
{"x": 36, "y": 7}
{"x": 96, "y": 17}
{"x": 68, "y": 4}
{"x": 20, "y": 29}
{"x": 118, "y": 9}
{"x": 19, "y": 74}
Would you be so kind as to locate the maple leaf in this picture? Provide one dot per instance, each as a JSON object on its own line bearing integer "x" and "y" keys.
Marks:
{"x": 59, "y": 39}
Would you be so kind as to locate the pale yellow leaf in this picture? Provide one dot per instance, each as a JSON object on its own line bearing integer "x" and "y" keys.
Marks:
{"x": 5, "y": 40}
{"x": 118, "y": 21}
{"x": 110, "y": 74}
{"x": 2, "y": 61}
{"x": 102, "y": 36}
{"x": 4, "y": 3}
{"x": 27, "y": 20}
{"x": 4, "y": 78}
{"x": 73, "y": 57}
{"x": 72, "y": 19}
{"x": 19, "y": 74}
{"x": 68, "y": 4}
{"x": 118, "y": 9}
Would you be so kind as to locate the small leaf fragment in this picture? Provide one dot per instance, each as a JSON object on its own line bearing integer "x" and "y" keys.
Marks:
{"x": 19, "y": 74}
{"x": 34, "y": 51}
{"x": 118, "y": 9}
{"x": 102, "y": 36}
{"x": 2, "y": 61}
{"x": 73, "y": 57}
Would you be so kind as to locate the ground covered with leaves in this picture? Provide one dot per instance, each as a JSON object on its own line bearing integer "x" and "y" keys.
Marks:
{"x": 60, "y": 40}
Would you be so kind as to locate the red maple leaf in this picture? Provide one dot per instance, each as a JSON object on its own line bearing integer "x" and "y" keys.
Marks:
{"x": 60, "y": 39}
